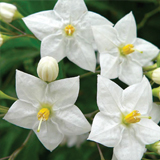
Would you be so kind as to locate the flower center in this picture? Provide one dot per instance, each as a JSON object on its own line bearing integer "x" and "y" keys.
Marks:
{"x": 134, "y": 117}
{"x": 69, "y": 30}
{"x": 129, "y": 48}
{"x": 42, "y": 115}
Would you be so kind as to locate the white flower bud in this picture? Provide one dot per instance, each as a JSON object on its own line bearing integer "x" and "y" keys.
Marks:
{"x": 48, "y": 69}
{"x": 1, "y": 40}
{"x": 156, "y": 76}
{"x": 7, "y": 11}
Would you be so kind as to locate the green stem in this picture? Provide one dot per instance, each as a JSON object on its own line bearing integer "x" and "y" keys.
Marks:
{"x": 151, "y": 82}
{"x": 150, "y": 153}
{"x": 5, "y": 96}
{"x": 15, "y": 153}
{"x": 88, "y": 74}
{"x": 100, "y": 152}
{"x": 89, "y": 115}
{"x": 16, "y": 28}
{"x": 147, "y": 16}
{"x": 149, "y": 68}
{"x": 5, "y": 158}
{"x": 23, "y": 35}
{"x": 3, "y": 109}
{"x": 2, "y": 115}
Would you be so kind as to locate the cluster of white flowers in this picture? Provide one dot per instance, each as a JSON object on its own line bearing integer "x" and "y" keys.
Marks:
{"x": 47, "y": 105}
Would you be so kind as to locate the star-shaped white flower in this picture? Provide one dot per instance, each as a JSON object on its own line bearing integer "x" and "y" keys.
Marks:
{"x": 155, "y": 114}
{"x": 66, "y": 31}
{"x": 48, "y": 109}
{"x": 122, "y": 54}
{"x": 123, "y": 121}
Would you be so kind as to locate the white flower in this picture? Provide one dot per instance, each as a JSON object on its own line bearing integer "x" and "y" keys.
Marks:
{"x": 122, "y": 53}
{"x": 48, "y": 69}
{"x": 66, "y": 31}
{"x": 156, "y": 76}
{"x": 123, "y": 121}
{"x": 7, "y": 11}
{"x": 48, "y": 109}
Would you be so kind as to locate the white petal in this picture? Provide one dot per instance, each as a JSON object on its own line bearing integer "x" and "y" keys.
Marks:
{"x": 106, "y": 130}
{"x": 49, "y": 134}
{"x": 130, "y": 72}
{"x": 114, "y": 157}
{"x": 82, "y": 54}
{"x": 43, "y": 23}
{"x": 53, "y": 46}
{"x": 138, "y": 97}
{"x": 109, "y": 96}
{"x": 155, "y": 113}
{"x": 63, "y": 93}
{"x": 29, "y": 88}
{"x": 129, "y": 148}
{"x": 147, "y": 131}
{"x": 105, "y": 37}
{"x": 70, "y": 9}
{"x": 71, "y": 121}
{"x": 22, "y": 114}
{"x": 84, "y": 31}
{"x": 150, "y": 51}
{"x": 126, "y": 28}
{"x": 96, "y": 19}
{"x": 109, "y": 64}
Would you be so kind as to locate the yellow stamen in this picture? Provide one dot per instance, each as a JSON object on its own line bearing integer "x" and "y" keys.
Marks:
{"x": 42, "y": 115}
{"x": 69, "y": 30}
{"x": 129, "y": 48}
{"x": 134, "y": 117}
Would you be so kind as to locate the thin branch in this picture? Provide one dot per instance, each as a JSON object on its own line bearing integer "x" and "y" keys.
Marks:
{"x": 4, "y": 158}
{"x": 24, "y": 35}
{"x": 100, "y": 152}
{"x": 147, "y": 16}
{"x": 16, "y": 28}
{"x": 89, "y": 115}
{"x": 15, "y": 153}
{"x": 2, "y": 115}
{"x": 88, "y": 74}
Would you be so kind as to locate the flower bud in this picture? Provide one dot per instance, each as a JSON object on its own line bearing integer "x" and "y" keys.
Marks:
{"x": 156, "y": 92}
{"x": 48, "y": 69}
{"x": 8, "y": 12}
{"x": 1, "y": 40}
{"x": 156, "y": 76}
{"x": 155, "y": 147}
{"x": 4, "y": 38}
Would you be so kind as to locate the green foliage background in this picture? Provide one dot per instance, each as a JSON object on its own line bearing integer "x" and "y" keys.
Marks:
{"x": 24, "y": 53}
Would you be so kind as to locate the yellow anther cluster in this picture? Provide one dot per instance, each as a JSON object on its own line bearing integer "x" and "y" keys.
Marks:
{"x": 129, "y": 48}
{"x": 43, "y": 114}
{"x": 133, "y": 117}
{"x": 69, "y": 30}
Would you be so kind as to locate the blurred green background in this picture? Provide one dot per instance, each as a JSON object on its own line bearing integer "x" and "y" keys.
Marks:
{"x": 24, "y": 53}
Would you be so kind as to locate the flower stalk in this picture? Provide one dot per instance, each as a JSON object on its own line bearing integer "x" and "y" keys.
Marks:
{"x": 5, "y": 96}
{"x": 100, "y": 152}
{"x": 16, "y": 152}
